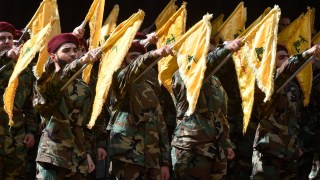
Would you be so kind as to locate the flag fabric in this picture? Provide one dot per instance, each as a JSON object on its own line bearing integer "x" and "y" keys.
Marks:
{"x": 297, "y": 38}
{"x": 166, "y": 14}
{"x": 47, "y": 11}
{"x": 91, "y": 10}
{"x": 35, "y": 18}
{"x": 316, "y": 38}
{"x": 29, "y": 50}
{"x": 110, "y": 24}
{"x": 265, "y": 12}
{"x": 95, "y": 24}
{"x": 115, "y": 48}
{"x": 257, "y": 59}
{"x": 216, "y": 24}
{"x": 191, "y": 50}
{"x": 234, "y": 25}
{"x": 169, "y": 33}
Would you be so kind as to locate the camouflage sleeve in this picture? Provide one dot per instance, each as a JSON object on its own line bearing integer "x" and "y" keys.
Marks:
{"x": 49, "y": 87}
{"x": 164, "y": 142}
{"x": 26, "y": 84}
{"x": 288, "y": 68}
{"x": 100, "y": 131}
{"x": 283, "y": 73}
{"x": 294, "y": 107}
{"x": 30, "y": 115}
{"x": 214, "y": 58}
{"x": 88, "y": 135}
{"x": 224, "y": 140}
{"x": 131, "y": 72}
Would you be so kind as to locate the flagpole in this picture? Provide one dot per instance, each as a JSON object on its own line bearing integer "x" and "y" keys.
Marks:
{"x": 219, "y": 66}
{"x": 76, "y": 74}
{"x": 83, "y": 24}
{"x": 148, "y": 68}
{"x": 318, "y": 75}
{"x": 294, "y": 74}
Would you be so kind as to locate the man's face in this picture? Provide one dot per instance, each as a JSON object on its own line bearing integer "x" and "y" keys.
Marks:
{"x": 65, "y": 54}
{"x": 281, "y": 57}
{"x": 81, "y": 51}
{"x": 131, "y": 56}
{"x": 6, "y": 41}
{"x": 283, "y": 23}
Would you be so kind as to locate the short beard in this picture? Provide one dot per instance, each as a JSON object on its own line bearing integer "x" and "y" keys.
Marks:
{"x": 62, "y": 63}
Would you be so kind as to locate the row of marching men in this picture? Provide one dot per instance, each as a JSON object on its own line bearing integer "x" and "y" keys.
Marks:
{"x": 136, "y": 138}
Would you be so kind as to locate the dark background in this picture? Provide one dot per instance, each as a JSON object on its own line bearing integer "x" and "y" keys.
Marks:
{"x": 72, "y": 12}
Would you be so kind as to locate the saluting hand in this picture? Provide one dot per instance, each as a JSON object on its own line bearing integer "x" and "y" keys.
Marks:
{"x": 235, "y": 45}
{"x": 13, "y": 53}
{"x": 78, "y": 32}
{"x": 152, "y": 38}
{"x": 162, "y": 52}
{"x": 91, "y": 56}
{"x": 314, "y": 50}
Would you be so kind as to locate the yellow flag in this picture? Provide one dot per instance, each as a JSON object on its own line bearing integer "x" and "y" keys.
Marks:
{"x": 234, "y": 25}
{"x": 95, "y": 23}
{"x": 257, "y": 59}
{"x": 216, "y": 24}
{"x": 110, "y": 24}
{"x": 91, "y": 10}
{"x": 191, "y": 50}
{"x": 265, "y": 12}
{"x": 316, "y": 38}
{"x": 35, "y": 17}
{"x": 166, "y": 14}
{"x": 246, "y": 82}
{"x": 29, "y": 50}
{"x": 297, "y": 38}
{"x": 47, "y": 11}
{"x": 116, "y": 48}
{"x": 169, "y": 33}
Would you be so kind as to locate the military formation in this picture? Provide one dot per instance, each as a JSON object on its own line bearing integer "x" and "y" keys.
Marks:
{"x": 143, "y": 131}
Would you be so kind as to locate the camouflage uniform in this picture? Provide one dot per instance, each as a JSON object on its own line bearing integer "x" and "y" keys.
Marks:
{"x": 309, "y": 127}
{"x": 276, "y": 145}
{"x": 13, "y": 152}
{"x": 241, "y": 166}
{"x": 197, "y": 138}
{"x": 138, "y": 134}
{"x": 169, "y": 114}
{"x": 99, "y": 129}
{"x": 65, "y": 140}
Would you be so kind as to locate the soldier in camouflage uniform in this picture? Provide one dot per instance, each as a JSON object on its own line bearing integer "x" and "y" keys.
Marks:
{"x": 98, "y": 144}
{"x": 310, "y": 126}
{"x": 241, "y": 166}
{"x": 64, "y": 148}
{"x": 139, "y": 146}
{"x": 14, "y": 140}
{"x": 276, "y": 147}
{"x": 198, "y": 138}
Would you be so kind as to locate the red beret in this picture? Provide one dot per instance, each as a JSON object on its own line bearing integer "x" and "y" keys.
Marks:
{"x": 83, "y": 42}
{"x": 7, "y": 27}
{"x": 137, "y": 47}
{"x": 140, "y": 35}
{"x": 60, "y": 39}
{"x": 17, "y": 34}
